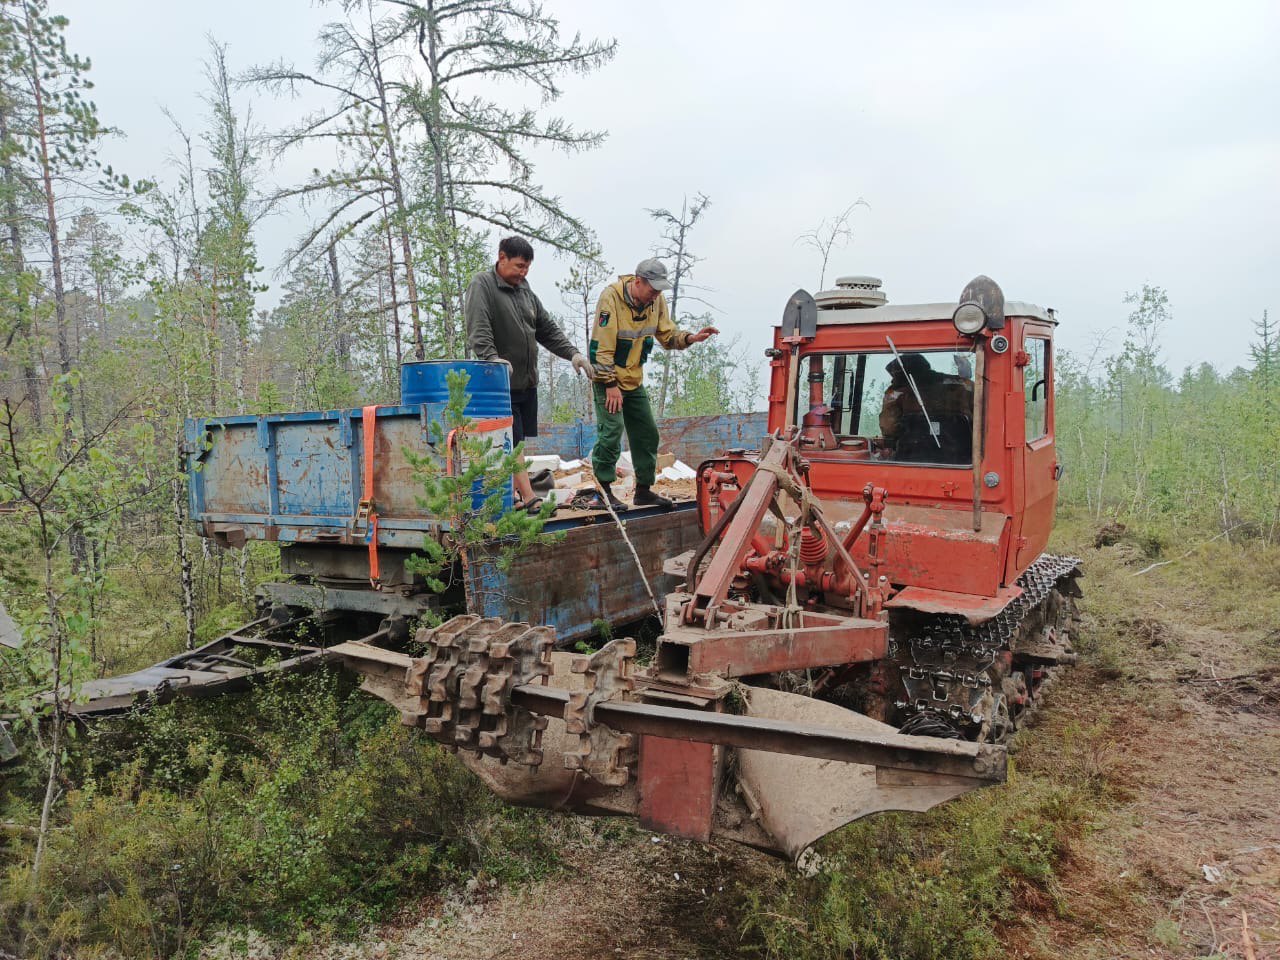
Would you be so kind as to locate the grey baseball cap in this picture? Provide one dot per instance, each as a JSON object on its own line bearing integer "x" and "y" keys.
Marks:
{"x": 653, "y": 271}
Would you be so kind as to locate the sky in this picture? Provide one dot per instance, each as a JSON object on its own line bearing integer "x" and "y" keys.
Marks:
{"x": 1073, "y": 152}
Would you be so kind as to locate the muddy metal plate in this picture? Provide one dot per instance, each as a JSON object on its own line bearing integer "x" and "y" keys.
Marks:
{"x": 974, "y": 609}
{"x": 833, "y": 793}
{"x": 939, "y": 549}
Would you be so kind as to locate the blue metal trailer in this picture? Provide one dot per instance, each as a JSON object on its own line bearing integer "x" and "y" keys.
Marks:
{"x": 296, "y": 479}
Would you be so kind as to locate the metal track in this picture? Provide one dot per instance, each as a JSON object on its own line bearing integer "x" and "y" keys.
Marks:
{"x": 949, "y": 673}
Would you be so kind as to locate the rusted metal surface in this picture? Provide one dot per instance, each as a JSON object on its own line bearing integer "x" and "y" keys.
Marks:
{"x": 464, "y": 684}
{"x": 325, "y": 597}
{"x": 726, "y": 563}
{"x": 799, "y": 799}
{"x": 230, "y": 663}
{"x": 587, "y": 577}
{"x": 604, "y": 754}
{"x": 677, "y": 783}
{"x": 840, "y": 640}
{"x": 975, "y": 609}
{"x": 296, "y": 477}
{"x": 938, "y": 548}
{"x": 956, "y": 758}
{"x": 976, "y": 762}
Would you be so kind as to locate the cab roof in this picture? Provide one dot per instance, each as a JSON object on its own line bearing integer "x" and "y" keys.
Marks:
{"x": 912, "y": 312}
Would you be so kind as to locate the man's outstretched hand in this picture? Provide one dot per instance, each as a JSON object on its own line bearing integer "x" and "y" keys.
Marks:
{"x": 703, "y": 334}
{"x": 583, "y": 366}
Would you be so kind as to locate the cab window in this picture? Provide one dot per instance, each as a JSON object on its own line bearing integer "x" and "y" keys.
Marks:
{"x": 921, "y": 415}
{"x": 1035, "y": 387}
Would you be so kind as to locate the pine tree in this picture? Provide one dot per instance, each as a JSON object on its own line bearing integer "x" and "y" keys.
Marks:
{"x": 1265, "y": 353}
{"x": 365, "y": 121}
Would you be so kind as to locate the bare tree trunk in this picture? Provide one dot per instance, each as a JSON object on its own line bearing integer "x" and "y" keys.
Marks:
{"x": 242, "y": 575}
{"x": 342, "y": 339}
{"x": 46, "y": 173}
{"x": 438, "y": 178}
{"x": 215, "y": 341}
{"x": 675, "y": 304}
{"x": 391, "y": 277}
{"x": 384, "y": 338}
{"x": 397, "y": 189}
{"x": 21, "y": 302}
{"x": 75, "y": 540}
{"x": 185, "y": 571}
{"x": 46, "y": 811}
{"x": 56, "y": 639}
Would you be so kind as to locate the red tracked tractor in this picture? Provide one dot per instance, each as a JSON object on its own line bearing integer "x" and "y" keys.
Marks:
{"x": 869, "y": 617}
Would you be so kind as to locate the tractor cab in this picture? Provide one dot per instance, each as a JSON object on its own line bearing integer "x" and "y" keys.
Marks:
{"x": 949, "y": 408}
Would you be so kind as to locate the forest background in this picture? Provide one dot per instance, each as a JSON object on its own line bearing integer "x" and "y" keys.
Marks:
{"x": 129, "y": 303}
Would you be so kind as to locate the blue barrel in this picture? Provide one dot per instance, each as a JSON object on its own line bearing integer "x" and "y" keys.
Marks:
{"x": 489, "y": 386}
{"x": 488, "y": 397}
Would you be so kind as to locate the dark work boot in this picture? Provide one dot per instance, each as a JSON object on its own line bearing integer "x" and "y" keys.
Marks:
{"x": 645, "y": 497}
{"x": 618, "y": 505}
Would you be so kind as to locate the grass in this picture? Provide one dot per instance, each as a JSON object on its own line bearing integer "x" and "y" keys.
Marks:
{"x": 936, "y": 885}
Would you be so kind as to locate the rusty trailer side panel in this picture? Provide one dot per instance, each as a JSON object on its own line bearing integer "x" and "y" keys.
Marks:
{"x": 297, "y": 478}
{"x": 588, "y": 576}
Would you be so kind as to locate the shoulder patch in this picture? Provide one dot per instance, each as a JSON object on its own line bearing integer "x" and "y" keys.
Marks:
{"x": 604, "y": 318}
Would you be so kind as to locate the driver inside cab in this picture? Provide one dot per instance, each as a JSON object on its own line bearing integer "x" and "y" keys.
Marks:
{"x": 942, "y": 431}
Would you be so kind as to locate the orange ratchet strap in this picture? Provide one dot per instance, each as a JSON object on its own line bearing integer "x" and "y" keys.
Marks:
{"x": 366, "y": 512}
{"x": 477, "y": 426}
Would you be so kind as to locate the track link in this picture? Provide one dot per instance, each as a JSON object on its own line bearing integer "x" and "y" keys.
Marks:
{"x": 983, "y": 682}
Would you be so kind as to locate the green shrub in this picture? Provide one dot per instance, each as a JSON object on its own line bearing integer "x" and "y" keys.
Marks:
{"x": 303, "y": 805}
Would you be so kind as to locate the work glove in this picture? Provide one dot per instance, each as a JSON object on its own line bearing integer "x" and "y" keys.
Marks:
{"x": 583, "y": 366}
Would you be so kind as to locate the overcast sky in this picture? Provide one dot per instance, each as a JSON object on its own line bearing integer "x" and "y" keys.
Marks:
{"x": 1072, "y": 151}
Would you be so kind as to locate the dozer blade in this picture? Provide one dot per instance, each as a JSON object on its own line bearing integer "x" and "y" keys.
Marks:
{"x": 777, "y": 801}
{"x": 571, "y": 733}
{"x": 799, "y": 800}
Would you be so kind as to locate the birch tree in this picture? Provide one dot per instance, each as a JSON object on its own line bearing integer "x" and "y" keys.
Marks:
{"x": 674, "y": 248}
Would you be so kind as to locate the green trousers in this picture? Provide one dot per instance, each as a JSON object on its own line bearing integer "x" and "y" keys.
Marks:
{"x": 642, "y": 434}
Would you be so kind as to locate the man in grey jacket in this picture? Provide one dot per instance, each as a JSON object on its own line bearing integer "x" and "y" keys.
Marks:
{"x": 506, "y": 321}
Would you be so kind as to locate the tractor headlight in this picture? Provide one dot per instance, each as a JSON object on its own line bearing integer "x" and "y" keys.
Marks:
{"x": 969, "y": 318}
{"x": 981, "y": 305}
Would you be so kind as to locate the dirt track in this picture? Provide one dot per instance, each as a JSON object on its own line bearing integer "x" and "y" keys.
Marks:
{"x": 1192, "y": 846}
